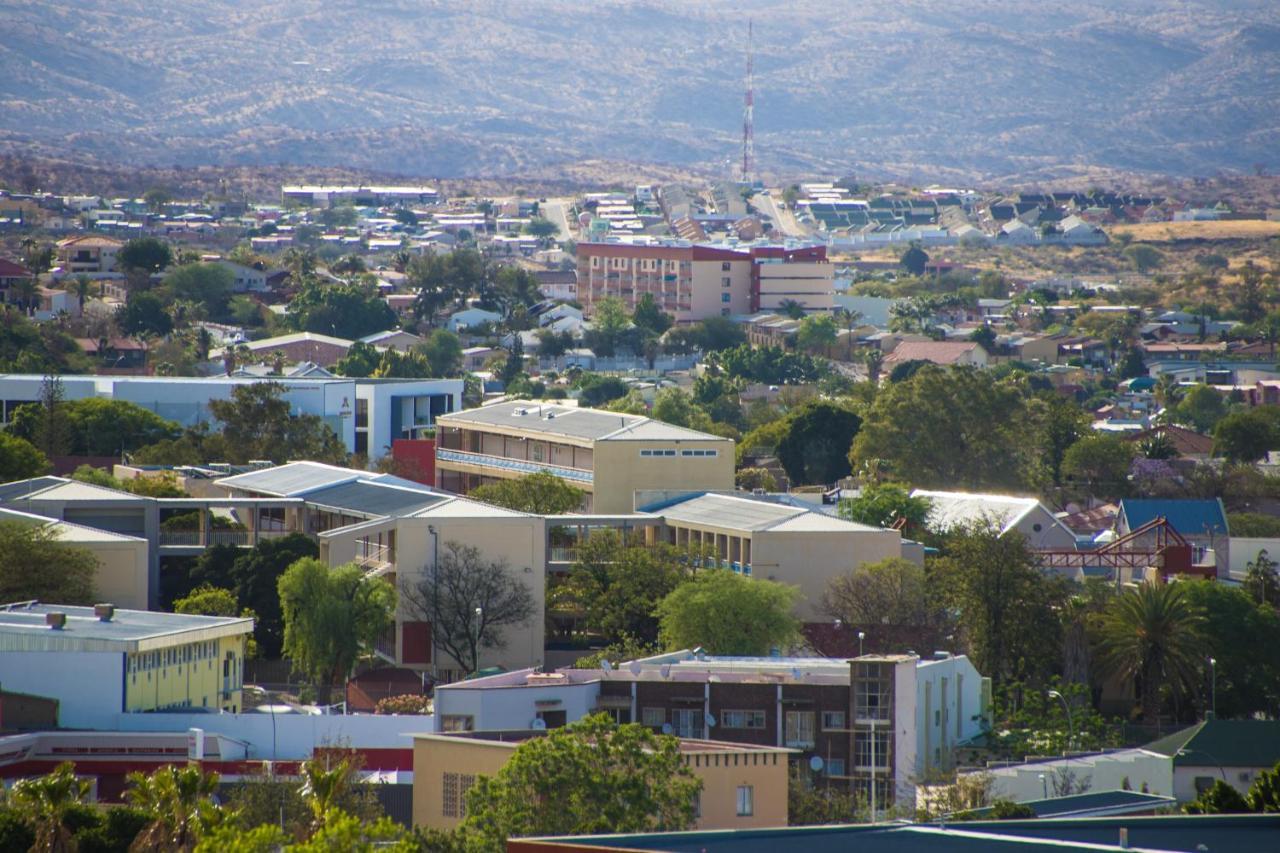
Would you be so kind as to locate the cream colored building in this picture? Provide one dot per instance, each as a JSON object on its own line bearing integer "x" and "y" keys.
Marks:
{"x": 743, "y": 786}
{"x": 810, "y": 283}
{"x": 608, "y": 455}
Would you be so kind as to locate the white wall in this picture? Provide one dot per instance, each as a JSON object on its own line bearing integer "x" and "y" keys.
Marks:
{"x": 89, "y": 686}
{"x": 1244, "y": 550}
{"x": 1105, "y": 772}
{"x": 499, "y": 708}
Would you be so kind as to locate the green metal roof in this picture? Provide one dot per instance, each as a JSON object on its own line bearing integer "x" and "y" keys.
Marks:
{"x": 1223, "y": 743}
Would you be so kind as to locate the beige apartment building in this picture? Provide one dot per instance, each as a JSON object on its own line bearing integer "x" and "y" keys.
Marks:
{"x": 694, "y": 282}
{"x": 743, "y": 786}
{"x": 608, "y": 455}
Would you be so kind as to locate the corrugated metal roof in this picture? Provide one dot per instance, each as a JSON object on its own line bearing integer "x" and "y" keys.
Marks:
{"x": 1188, "y": 517}
{"x": 373, "y": 499}
{"x": 23, "y": 628}
{"x": 741, "y": 513}
{"x": 573, "y": 422}
{"x": 293, "y": 479}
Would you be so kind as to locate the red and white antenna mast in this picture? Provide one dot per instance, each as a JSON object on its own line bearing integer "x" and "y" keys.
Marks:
{"x": 748, "y": 115}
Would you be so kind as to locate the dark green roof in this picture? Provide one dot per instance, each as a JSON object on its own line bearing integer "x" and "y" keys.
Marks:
{"x": 1092, "y": 804}
{"x": 1225, "y": 743}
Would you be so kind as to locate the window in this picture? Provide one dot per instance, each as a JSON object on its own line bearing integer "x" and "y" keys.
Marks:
{"x": 746, "y": 800}
{"x": 799, "y": 728}
{"x": 726, "y": 282}
{"x": 724, "y": 312}
{"x": 454, "y": 794}
{"x": 835, "y": 766}
{"x": 457, "y": 723}
{"x": 724, "y": 267}
{"x": 742, "y": 719}
{"x": 658, "y": 452}
{"x": 833, "y": 719}
{"x": 653, "y": 717}
{"x": 687, "y": 722}
{"x": 725, "y": 297}
{"x": 862, "y": 749}
{"x": 699, "y": 452}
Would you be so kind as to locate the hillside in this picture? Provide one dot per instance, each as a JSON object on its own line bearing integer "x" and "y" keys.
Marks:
{"x": 921, "y": 88}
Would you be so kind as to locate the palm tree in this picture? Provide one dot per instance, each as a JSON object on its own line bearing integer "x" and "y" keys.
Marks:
{"x": 180, "y": 802}
{"x": 1151, "y": 636}
{"x": 873, "y": 358}
{"x": 204, "y": 342}
{"x": 45, "y": 803}
{"x": 277, "y": 362}
{"x": 848, "y": 318}
{"x": 26, "y": 290}
{"x": 791, "y": 308}
{"x": 323, "y": 788}
{"x": 83, "y": 290}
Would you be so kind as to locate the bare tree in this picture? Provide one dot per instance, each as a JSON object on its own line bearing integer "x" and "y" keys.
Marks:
{"x": 468, "y": 600}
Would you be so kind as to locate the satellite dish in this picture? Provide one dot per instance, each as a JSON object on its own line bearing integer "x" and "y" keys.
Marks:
{"x": 666, "y": 670}
{"x": 815, "y": 764}
{"x": 710, "y": 719}
{"x": 635, "y": 668}
{"x": 538, "y": 724}
{"x": 606, "y": 666}
{"x": 666, "y": 728}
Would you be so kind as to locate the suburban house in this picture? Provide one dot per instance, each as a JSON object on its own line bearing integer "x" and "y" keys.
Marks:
{"x": 245, "y": 279}
{"x": 396, "y": 339}
{"x": 740, "y": 782}
{"x": 12, "y": 277}
{"x": 89, "y": 254}
{"x": 894, "y": 718}
{"x": 460, "y": 321}
{"x": 1187, "y": 443}
{"x": 296, "y": 347}
{"x": 1202, "y": 523}
{"x": 607, "y": 454}
{"x": 1026, "y": 516}
{"x": 103, "y": 659}
{"x": 1233, "y": 751}
{"x": 962, "y": 353}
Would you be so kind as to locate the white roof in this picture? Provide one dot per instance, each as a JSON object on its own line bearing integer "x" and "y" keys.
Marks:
{"x": 951, "y": 509}
{"x": 712, "y": 509}
{"x": 572, "y": 422}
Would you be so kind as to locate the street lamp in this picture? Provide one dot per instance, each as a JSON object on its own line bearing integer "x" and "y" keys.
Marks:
{"x": 862, "y": 635}
{"x": 1183, "y": 753}
{"x": 1071, "y": 728}
{"x": 1044, "y": 782}
{"x": 1213, "y": 686}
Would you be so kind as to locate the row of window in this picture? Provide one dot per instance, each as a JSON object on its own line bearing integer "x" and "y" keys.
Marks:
{"x": 167, "y": 657}
{"x": 734, "y": 759}
{"x": 668, "y": 451}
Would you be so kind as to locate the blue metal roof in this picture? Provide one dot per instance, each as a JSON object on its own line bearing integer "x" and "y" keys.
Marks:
{"x": 1188, "y": 517}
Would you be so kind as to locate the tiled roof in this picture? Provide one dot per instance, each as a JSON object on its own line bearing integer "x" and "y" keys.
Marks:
{"x": 938, "y": 352}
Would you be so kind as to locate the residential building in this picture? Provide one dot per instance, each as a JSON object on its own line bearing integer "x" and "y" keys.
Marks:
{"x": 12, "y": 277}
{"x": 296, "y": 347}
{"x": 912, "y": 712}
{"x": 692, "y": 282}
{"x": 117, "y": 356}
{"x": 1026, "y": 516}
{"x": 100, "y": 657}
{"x": 396, "y": 339}
{"x": 960, "y": 353}
{"x": 245, "y": 279}
{"x": 313, "y": 195}
{"x": 742, "y": 786}
{"x": 607, "y": 454}
{"x": 367, "y": 414}
{"x": 1202, "y": 523}
{"x": 1232, "y": 751}
{"x": 467, "y": 318}
{"x": 89, "y": 254}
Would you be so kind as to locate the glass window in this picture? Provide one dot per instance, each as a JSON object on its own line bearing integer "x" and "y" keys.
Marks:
{"x": 833, "y": 719}
{"x": 742, "y": 719}
{"x": 835, "y": 766}
{"x": 653, "y": 717}
{"x": 457, "y": 723}
{"x": 746, "y": 800}
{"x": 725, "y": 297}
{"x": 799, "y": 728}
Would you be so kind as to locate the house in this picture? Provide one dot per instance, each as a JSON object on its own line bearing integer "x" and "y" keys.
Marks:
{"x": 100, "y": 658}
{"x": 608, "y": 455}
{"x": 475, "y": 358}
{"x": 245, "y": 279}
{"x": 961, "y": 353}
{"x": 116, "y": 356}
{"x": 1026, "y": 516}
{"x": 89, "y": 253}
{"x": 561, "y": 285}
{"x": 897, "y": 718}
{"x": 293, "y": 348}
{"x": 741, "y": 783}
{"x": 1186, "y": 443}
{"x": 1233, "y": 751}
{"x": 1203, "y": 523}
{"x": 13, "y": 277}
{"x": 396, "y": 339}
{"x": 471, "y": 317}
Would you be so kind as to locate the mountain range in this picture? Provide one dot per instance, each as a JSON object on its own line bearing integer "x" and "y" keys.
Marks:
{"x": 916, "y": 89}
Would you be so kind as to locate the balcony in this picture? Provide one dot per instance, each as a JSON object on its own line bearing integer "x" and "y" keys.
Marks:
{"x": 518, "y": 466}
{"x": 237, "y": 538}
{"x": 377, "y": 560}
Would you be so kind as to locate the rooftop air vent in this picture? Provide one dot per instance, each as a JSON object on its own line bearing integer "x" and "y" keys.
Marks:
{"x": 55, "y": 620}
{"x": 104, "y": 612}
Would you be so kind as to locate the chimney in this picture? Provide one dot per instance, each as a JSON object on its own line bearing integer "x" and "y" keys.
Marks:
{"x": 104, "y": 612}
{"x": 55, "y": 620}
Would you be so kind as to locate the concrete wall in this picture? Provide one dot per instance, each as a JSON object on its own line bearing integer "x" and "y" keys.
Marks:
{"x": 620, "y": 471}
{"x": 708, "y": 289}
{"x": 718, "y": 804}
{"x": 433, "y": 758}
{"x": 1105, "y": 772}
{"x": 810, "y": 559}
{"x": 122, "y": 577}
{"x": 507, "y": 708}
{"x": 1244, "y": 550}
{"x": 811, "y": 284}
{"x": 89, "y": 686}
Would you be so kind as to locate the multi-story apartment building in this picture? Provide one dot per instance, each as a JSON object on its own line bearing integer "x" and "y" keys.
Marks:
{"x": 693, "y": 282}
{"x": 609, "y": 455}
{"x": 892, "y": 718}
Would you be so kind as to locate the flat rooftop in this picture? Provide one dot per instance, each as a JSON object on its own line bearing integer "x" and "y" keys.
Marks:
{"x": 515, "y": 737}
{"x": 23, "y": 627}
{"x": 571, "y": 422}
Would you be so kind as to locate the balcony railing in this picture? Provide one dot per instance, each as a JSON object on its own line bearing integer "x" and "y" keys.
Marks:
{"x": 238, "y": 538}
{"x": 561, "y": 554}
{"x": 522, "y": 466}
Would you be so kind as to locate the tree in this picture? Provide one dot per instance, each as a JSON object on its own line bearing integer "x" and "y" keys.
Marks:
{"x": 46, "y": 803}
{"x": 1261, "y": 580}
{"x": 1005, "y": 604}
{"x": 181, "y": 803}
{"x": 351, "y": 310}
{"x": 810, "y": 804}
{"x": 144, "y": 255}
{"x": 541, "y": 493}
{"x": 443, "y": 352}
{"x": 1264, "y": 793}
{"x": 595, "y": 390}
{"x": 262, "y": 797}
{"x": 1247, "y": 436}
{"x": 208, "y": 600}
{"x": 728, "y": 614}
{"x": 1220, "y": 798}
{"x": 1201, "y": 408}
{"x": 144, "y": 314}
{"x": 750, "y": 479}
{"x": 609, "y": 321}
{"x": 469, "y": 602}
{"x": 207, "y": 285}
{"x": 542, "y": 228}
{"x": 914, "y": 259}
{"x": 945, "y": 427}
{"x": 618, "y": 582}
{"x": 1144, "y": 258}
{"x": 649, "y": 317}
{"x": 718, "y": 333}
{"x": 891, "y": 591}
{"x": 883, "y": 504}
{"x": 602, "y": 777}
{"x": 1151, "y": 636}
{"x": 95, "y": 426}
{"x": 361, "y": 360}
{"x": 35, "y": 565}
{"x": 817, "y": 334}
{"x": 19, "y": 459}
{"x": 815, "y": 445}
{"x": 769, "y": 364}
{"x": 256, "y": 424}
{"x": 1099, "y": 464}
{"x": 1243, "y": 637}
{"x": 331, "y": 617}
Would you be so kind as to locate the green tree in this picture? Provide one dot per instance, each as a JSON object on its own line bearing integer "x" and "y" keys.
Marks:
{"x": 649, "y": 317}
{"x": 1264, "y": 793}
{"x": 596, "y": 390}
{"x": 815, "y": 445}
{"x": 1099, "y": 464}
{"x": 144, "y": 254}
{"x": 1261, "y": 580}
{"x": 891, "y": 592}
{"x": 19, "y": 459}
{"x": 728, "y": 614}
{"x": 609, "y": 322}
{"x": 817, "y": 334}
{"x": 541, "y": 228}
{"x": 443, "y": 352}
{"x": 1253, "y": 525}
{"x": 180, "y": 802}
{"x": 1243, "y": 637}
{"x": 810, "y": 803}
{"x": 945, "y": 427}
{"x": 350, "y": 311}
{"x": 470, "y": 601}
{"x": 256, "y": 424}
{"x": 541, "y": 493}
{"x": 144, "y": 314}
{"x": 331, "y": 617}
{"x": 1058, "y": 423}
{"x": 35, "y": 565}
{"x": 750, "y": 479}
{"x": 95, "y": 426}
{"x": 1201, "y": 408}
{"x": 1151, "y": 636}
{"x": 361, "y": 360}
{"x": 208, "y": 600}
{"x": 602, "y": 777}
{"x": 207, "y": 285}
{"x": 675, "y": 406}
{"x": 1144, "y": 258}
{"x": 771, "y": 365}
{"x": 47, "y": 803}
{"x": 1220, "y": 798}
{"x": 1006, "y": 606}
{"x": 617, "y": 583}
{"x": 883, "y": 504}
{"x": 914, "y": 259}
{"x": 715, "y": 334}
{"x": 1247, "y": 436}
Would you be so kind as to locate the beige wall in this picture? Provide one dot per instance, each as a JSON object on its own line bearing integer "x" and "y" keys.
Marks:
{"x": 722, "y": 771}
{"x": 708, "y": 285}
{"x": 122, "y": 572}
{"x": 620, "y": 471}
{"x": 810, "y": 560}
{"x": 810, "y": 283}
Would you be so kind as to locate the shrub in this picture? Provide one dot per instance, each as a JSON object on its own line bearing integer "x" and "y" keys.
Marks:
{"x": 408, "y": 703}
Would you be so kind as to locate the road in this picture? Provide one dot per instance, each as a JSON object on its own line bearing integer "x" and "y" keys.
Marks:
{"x": 783, "y": 219}
{"x": 557, "y": 210}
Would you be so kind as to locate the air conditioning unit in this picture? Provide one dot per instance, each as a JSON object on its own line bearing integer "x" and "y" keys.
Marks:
{"x": 56, "y": 621}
